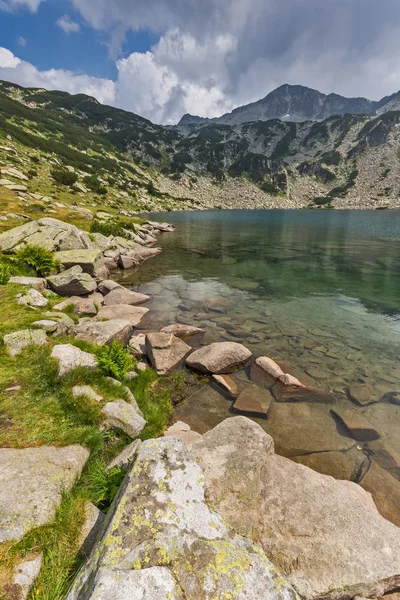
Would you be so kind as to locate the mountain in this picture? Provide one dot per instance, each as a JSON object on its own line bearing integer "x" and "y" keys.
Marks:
{"x": 298, "y": 103}
{"x": 127, "y": 162}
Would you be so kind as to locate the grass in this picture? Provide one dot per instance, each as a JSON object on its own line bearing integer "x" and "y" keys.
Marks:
{"x": 44, "y": 412}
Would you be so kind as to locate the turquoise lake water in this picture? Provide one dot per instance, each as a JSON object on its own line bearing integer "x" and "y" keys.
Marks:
{"x": 320, "y": 289}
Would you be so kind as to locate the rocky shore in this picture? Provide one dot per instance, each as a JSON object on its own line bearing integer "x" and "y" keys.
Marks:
{"x": 212, "y": 516}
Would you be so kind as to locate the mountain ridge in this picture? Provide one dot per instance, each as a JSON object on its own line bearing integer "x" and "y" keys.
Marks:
{"x": 296, "y": 103}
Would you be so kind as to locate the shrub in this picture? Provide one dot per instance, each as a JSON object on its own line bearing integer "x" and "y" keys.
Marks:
{"x": 4, "y": 274}
{"x": 115, "y": 360}
{"x": 92, "y": 182}
{"x": 32, "y": 173}
{"x": 64, "y": 176}
{"x": 115, "y": 227}
{"x": 40, "y": 259}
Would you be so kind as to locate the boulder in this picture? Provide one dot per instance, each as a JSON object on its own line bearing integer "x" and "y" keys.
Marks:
{"x": 362, "y": 394}
{"x": 356, "y": 424}
{"x": 32, "y": 484}
{"x": 107, "y": 285}
{"x": 36, "y": 283}
{"x": 222, "y": 357}
{"x": 82, "y": 306}
{"x": 19, "y": 340}
{"x": 129, "y": 260}
{"x": 253, "y": 402}
{"x": 127, "y": 312}
{"x": 182, "y": 330}
{"x": 70, "y": 357}
{"x": 46, "y": 324}
{"x": 124, "y": 458}
{"x": 162, "y": 519}
{"x": 91, "y": 261}
{"x": 183, "y": 432}
{"x": 103, "y": 332}
{"x": 121, "y": 295}
{"x": 87, "y": 391}
{"x": 137, "y": 345}
{"x": 25, "y": 575}
{"x": 73, "y": 282}
{"x": 227, "y": 384}
{"x": 294, "y": 393}
{"x": 165, "y": 351}
{"x": 121, "y": 415}
{"x": 326, "y": 536}
{"x": 13, "y": 237}
{"x": 34, "y": 299}
{"x": 385, "y": 490}
{"x": 94, "y": 519}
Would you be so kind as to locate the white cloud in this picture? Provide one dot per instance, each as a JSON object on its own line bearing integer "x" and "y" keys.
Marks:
{"x": 22, "y": 41}
{"x": 10, "y": 5}
{"x": 24, "y": 73}
{"x": 68, "y": 25}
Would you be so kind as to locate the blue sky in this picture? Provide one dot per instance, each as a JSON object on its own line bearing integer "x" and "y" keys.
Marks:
{"x": 163, "y": 58}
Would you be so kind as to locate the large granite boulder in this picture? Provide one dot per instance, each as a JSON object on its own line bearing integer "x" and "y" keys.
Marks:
{"x": 127, "y": 312}
{"x": 19, "y": 340}
{"x": 326, "y": 536}
{"x": 70, "y": 357}
{"x": 91, "y": 261}
{"x": 120, "y": 295}
{"x": 32, "y": 483}
{"x": 165, "y": 351}
{"x": 72, "y": 282}
{"x": 13, "y": 237}
{"x": 103, "y": 332}
{"x": 222, "y": 357}
{"x": 33, "y": 298}
{"x": 162, "y": 541}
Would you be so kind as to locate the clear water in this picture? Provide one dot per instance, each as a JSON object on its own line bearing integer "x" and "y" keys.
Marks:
{"x": 320, "y": 289}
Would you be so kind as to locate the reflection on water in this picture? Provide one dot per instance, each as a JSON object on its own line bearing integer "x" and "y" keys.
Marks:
{"x": 320, "y": 289}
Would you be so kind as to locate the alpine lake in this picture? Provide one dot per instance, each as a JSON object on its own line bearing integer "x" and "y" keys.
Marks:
{"x": 317, "y": 289}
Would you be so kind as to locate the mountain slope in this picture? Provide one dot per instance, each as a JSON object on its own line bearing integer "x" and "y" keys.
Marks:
{"x": 341, "y": 161}
{"x": 297, "y": 103}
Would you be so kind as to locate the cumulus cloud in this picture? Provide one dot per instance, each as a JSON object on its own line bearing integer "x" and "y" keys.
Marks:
{"x": 10, "y": 5}
{"x": 24, "y": 73}
{"x": 215, "y": 55}
{"x": 68, "y": 25}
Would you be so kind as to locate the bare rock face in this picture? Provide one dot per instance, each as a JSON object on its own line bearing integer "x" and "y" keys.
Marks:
{"x": 121, "y": 415}
{"x": 326, "y": 536}
{"x": 69, "y": 357}
{"x": 223, "y": 357}
{"x": 103, "y": 332}
{"x": 165, "y": 351}
{"x": 127, "y": 312}
{"x": 162, "y": 519}
{"x": 32, "y": 482}
{"x": 19, "y": 340}
{"x": 120, "y": 295}
{"x": 72, "y": 282}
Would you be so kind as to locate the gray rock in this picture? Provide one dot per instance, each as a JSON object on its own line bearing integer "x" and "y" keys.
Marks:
{"x": 227, "y": 384}
{"x": 91, "y": 261}
{"x": 121, "y": 415}
{"x": 162, "y": 518}
{"x": 107, "y": 285}
{"x": 137, "y": 345}
{"x": 87, "y": 391}
{"x": 47, "y": 325}
{"x": 133, "y": 314}
{"x": 165, "y": 351}
{"x": 32, "y": 483}
{"x": 103, "y": 332}
{"x": 73, "y": 282}
{"x": 25, "y": 576}
{"x": 82, "y": 306}
{"x": 121, "y": 295}
{"x": 70, "y": 357}
{"x": 253, "y": 402}
{"x": 13, "y": 237}
{"x": 94, "y": 519}
{"x": 19, "y": 340}
{"x": 182, "y": 330}
{"x": 325, "y": 535}
{"x": 124, "y": 458}
{"x": 36, "y": 283}
{"x": 183, "y": 432}
{"x": 60, "y": 317}
{"x": 34, "y": 299}
{"x": 223, "y": 357}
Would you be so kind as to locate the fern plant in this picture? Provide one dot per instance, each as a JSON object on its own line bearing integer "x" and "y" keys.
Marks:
{"x": 115, "y": 360}
{"x": 40, "y": 259}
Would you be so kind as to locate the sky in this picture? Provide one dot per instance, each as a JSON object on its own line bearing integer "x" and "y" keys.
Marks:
{"x": 164, "y": 58}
